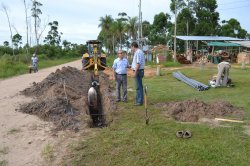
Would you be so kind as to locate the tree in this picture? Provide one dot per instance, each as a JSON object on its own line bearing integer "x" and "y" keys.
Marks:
{"x": 145, "y": 28}
{"x": 6, "y": 44}
{"x": 27, "y": 24}
{"x": 123, "y": 16}
{"x": 66, "y": 45}
{"x": 54, "y": 37}
{"x": 120, "y": 29}
{"x": 36, "y": 11}
{"x": 207, "y": 17}
{"x": 132, "y": 27}
{"x": 159, "y": 29}
{"x": 233, "y": 28}
{"x": 105, "y": 34}
{"x": 185, "y": 22}
{"x": 11, "y": 36}
{"x": 17, "y": 40}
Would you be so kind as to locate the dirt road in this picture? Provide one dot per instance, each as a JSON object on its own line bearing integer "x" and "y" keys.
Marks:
{"x": 22, "y": 136}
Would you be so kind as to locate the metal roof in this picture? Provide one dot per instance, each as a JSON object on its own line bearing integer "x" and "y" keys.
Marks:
{"x": 223, "y": 44}
{"x": 209, "y": 38}
{"x": 243, "y": 43}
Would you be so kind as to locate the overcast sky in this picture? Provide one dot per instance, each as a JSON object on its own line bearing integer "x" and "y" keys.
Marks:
{"x": 79, "y": 19}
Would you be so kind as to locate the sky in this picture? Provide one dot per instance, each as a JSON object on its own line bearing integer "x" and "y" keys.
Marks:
{"x": 79, "y": 19}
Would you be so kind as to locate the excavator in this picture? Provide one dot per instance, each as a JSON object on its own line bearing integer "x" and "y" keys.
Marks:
{"x": 94, "y": 61}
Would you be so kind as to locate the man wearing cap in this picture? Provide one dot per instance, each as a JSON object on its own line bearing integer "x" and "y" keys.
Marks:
{"x": 138, "y": 69}
{"x": 120, "y": 66}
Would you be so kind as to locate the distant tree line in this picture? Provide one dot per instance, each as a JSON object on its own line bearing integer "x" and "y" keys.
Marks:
{"x": 52, "y": 47}
{"x": 194, "y": 17}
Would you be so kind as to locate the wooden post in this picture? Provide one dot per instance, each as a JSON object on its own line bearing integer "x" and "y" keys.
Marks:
{"x": 158, "y": 70}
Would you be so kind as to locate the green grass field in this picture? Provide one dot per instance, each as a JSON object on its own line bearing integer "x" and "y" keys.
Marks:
{"x": 9, "y": 68}
{"x": 128, "y": 141}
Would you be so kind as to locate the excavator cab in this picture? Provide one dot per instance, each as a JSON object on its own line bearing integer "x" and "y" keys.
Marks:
{"x": 94, "y": 59}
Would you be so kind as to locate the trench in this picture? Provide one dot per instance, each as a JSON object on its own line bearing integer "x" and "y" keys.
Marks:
{"x": 97, "y": 115}
{"x": 62, "y": 98}
{"x": 102, "y": 115}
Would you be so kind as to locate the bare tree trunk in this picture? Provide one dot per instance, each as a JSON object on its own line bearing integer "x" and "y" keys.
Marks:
{"x": 44, "y": 27}
{"x": 36, "y": 35}
{"x": 27, "y": 26}
{"x": 187, "y": 34}
{"x": 30, "y": 33}
{"x": 121, "y": 42}
{"x": 113, "y": 42}
{"x": 11, "y": 36}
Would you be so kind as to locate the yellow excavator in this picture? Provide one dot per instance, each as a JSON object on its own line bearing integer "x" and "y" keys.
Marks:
{"x": 94, "y": 61}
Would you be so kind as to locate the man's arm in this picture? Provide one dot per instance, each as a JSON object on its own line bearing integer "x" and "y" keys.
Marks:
{"x": 114, "y": 68}
{"x": 128, "y": 65}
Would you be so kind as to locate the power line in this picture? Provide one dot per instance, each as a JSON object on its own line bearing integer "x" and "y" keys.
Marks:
{"x": 234, "y": 2}
{"x": 234, "y": 7}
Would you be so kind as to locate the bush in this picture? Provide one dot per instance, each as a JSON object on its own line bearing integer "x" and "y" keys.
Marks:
{"x": 110, "y": 60}
{"x": 172, "y": 64}
{"x": 11, "y": 68}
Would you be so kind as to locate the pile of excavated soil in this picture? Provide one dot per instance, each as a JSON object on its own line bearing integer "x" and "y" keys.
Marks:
{"x": 193, "y": 110}
{"x": 62, "y": 98}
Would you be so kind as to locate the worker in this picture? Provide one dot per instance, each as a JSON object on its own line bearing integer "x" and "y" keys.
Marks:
{"x": 120, "y": 66}
{"x": 138, "y": 70}
{"x": 34, "y": 60}
{"x": 223, "y": 72}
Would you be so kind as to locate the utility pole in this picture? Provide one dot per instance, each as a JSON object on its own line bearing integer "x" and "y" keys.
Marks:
{"x": 140, "y": 25}
{"x": 175, "y": 13}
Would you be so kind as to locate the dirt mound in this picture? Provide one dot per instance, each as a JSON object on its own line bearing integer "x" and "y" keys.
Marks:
{"x": 62, "y": 98}
{"x": 193, "y": 110}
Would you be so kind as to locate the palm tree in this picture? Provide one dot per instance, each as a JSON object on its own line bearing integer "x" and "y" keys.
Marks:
{"x": 120, "y": 31}
{"x": 105, "y": 24}
{"x": 132, "y": 27}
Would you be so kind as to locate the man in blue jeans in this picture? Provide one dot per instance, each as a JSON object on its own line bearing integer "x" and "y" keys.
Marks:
{"x": 138, "y": 69}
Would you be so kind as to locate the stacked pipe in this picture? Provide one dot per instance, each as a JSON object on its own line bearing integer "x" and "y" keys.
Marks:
{"x": 193, "y": 83}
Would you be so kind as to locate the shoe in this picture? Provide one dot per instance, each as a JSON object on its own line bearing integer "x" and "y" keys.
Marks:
{"x": 179, "y": 134}
{"x": 125, "y": 101}
{"x": 118, "y": 101}
{"x": 183, "y": 134}
{"x": 187, "y": 134}
{"x": 137, "y": 104}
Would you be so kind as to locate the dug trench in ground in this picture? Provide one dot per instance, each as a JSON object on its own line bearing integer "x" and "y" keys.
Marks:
{"x": 62, "y": 99}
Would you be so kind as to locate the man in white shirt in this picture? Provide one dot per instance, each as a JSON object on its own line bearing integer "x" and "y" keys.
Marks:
{"x": 34, "y": 60}
{"x": 120, "y": 66}
{"x": 223, "y": 70}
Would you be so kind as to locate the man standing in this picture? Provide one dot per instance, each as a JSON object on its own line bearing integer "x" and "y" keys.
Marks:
{"x": 223, "y": 69}
{"x": 120, "y": 66}
{"x": 138, "y": 69}
{"x": 34, "y": 60}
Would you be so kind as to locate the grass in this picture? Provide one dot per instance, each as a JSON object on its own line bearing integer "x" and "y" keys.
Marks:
{"x": 3, "y": 162}
{"x": 48, "y": 152}
{"x": 9, "y": 68}
{"x": 14, "y": 130}
{"x": 128, "y": 141}
{"x": 4, "y": 150}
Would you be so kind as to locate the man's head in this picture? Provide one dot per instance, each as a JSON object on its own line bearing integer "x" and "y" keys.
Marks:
{"x": 134, "y": 46}
{"x": 34, "y": 55}
{"x": 120, "y": 54}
